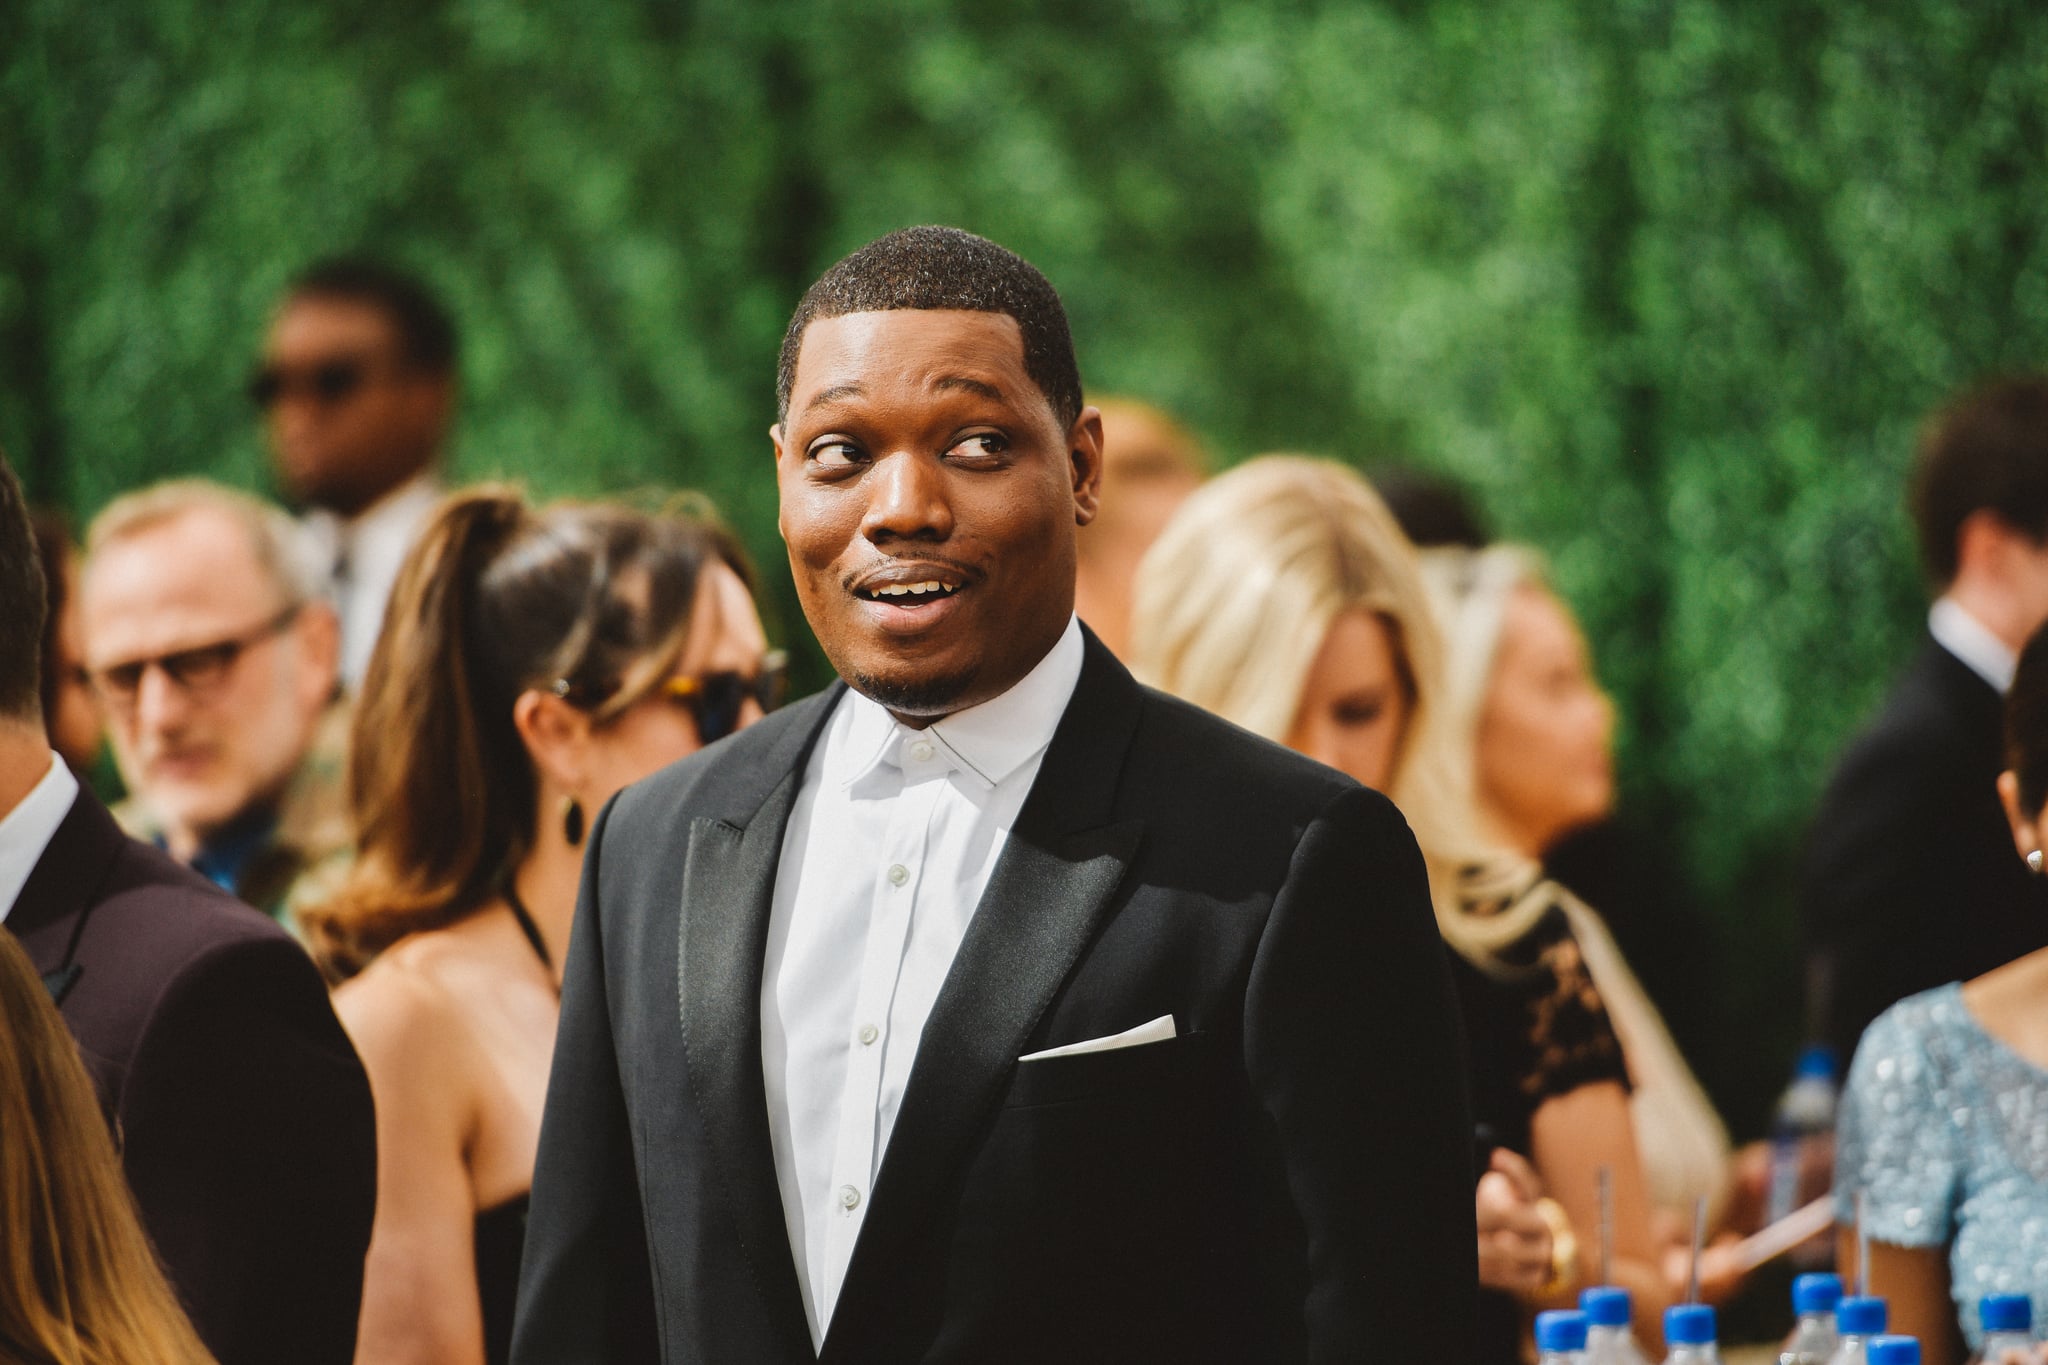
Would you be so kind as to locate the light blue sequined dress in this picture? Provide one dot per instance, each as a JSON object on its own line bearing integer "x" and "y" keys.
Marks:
{"x": 1946, "y": 1130}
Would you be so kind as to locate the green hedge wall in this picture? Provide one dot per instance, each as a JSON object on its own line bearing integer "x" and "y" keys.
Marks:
{"x": 1668, "y": 284}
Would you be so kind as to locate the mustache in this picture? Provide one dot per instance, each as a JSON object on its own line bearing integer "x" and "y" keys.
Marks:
{"x": 968, "y": 572}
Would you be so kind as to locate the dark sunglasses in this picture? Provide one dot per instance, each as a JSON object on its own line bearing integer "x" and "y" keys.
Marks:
{"x": 328, "y": 383}
{"x": 197, "y": 670}
{"x": 716, "y": 699}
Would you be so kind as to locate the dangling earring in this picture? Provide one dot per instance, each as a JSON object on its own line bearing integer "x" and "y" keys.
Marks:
{"x": 2034, "y": 860}
{"x": 572, "y": 820}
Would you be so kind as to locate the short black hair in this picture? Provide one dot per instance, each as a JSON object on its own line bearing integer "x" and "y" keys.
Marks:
{"x": 1432, "y": 511}
{"x": 1987, "y": 451}
{"x": 22, "y": 605}
{"x": 426, "y": 331}
{"x": 945, "y": 268}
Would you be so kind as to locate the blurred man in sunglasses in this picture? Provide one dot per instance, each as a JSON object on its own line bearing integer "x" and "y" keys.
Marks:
{"x": 356, "y": 386}
{"x": 212, "y": 656}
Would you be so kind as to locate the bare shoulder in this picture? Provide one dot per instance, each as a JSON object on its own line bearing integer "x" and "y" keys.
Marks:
{"x": 2011, "y": 1004}
{"x": 406, "y": 1010}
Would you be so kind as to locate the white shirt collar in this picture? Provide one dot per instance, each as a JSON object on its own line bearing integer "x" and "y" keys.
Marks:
{"x": 1973, "y": 642}
{"x": 29, "y": 827}
{"x": 986, "y": 743}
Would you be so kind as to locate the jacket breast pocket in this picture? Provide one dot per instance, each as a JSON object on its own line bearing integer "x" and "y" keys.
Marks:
{"x": 1173, "y": 1064}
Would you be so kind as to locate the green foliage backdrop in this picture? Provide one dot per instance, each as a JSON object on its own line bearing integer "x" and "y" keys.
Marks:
{"x": 1667, "y": 283}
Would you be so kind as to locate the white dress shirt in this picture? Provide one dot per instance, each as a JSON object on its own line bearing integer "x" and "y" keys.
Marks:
{"x": 362, "y": 557}
{"x": 890, "y": 844}
{"x": 28, "y": 828}
{"x": 1973, "y": 642}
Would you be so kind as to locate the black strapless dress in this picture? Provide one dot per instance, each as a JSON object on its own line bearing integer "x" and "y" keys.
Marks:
{"x": 500, "y": 1237}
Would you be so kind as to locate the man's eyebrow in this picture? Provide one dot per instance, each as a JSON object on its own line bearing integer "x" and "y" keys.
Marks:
{"x": 833, "y": 395}
{"x": 978, "y": 387}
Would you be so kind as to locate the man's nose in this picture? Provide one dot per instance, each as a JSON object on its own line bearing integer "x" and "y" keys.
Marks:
{"x": 907, "y": 500}
{"x": 160, "y": 703}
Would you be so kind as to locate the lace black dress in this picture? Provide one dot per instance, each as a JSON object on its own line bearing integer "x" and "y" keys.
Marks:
{"x": 1536, "y": 1029}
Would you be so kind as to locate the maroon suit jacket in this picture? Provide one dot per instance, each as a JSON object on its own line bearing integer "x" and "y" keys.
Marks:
{"x": 242, "y": 1112}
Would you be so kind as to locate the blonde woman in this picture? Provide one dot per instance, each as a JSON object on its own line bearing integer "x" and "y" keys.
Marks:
{"x": 78, "y": 1284}
{"x": 1284, "y": 597}
{"x": 1530, "y": 736}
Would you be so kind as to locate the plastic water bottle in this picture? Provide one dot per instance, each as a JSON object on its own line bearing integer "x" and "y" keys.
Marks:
{"x": 1692, "y": 1332}
{"x": 1814, "y": 1340}
{"x": 1560, "y": 1337}
{"x": 1608, "y": 1339}
{"x": 2008, "y": 1322}
{"x": 1890, "y": 1350}
{"x": 1805, "y": 1111}
{"x": 1858, "y": 1320}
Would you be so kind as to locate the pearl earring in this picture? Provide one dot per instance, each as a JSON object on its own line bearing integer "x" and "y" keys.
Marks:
{"x": 2034, "y": 860}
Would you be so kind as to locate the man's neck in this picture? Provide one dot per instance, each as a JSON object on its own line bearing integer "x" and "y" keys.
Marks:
{"x": 1992, "y": 608}
{"x": 24, "y": 762}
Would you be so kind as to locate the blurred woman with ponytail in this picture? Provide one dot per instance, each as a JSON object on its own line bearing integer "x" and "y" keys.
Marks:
{"x": 533, "y": 662}
{"x": 78, "y": 1283}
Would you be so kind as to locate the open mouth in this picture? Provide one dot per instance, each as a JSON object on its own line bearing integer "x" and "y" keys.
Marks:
{"x": 908, "y": 594}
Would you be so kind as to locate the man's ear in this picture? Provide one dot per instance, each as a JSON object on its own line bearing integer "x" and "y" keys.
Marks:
{"x": 319, "y": 634}
{"x": 556, "y": 736}
{"x": 1084, "y": 444}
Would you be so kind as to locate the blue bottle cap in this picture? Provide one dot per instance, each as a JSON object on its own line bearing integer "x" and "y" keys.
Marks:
{"x": 1606, "y": 1306}
{"x": 1816, "y": 1293}
{"x": 1690, "y": 1324}
{"x": 1816, "y": 1059}
{"x": 1561, "y": 1330}
{"x": 2006, "y": 1313}
{"x": 1861, "y": 1317}
{"x": 1893, "y": 1351}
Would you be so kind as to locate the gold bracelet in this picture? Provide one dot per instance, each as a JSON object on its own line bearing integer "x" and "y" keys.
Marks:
{"x": 1564, "y": 1249}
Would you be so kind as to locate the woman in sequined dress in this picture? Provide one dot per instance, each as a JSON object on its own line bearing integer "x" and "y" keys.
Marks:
{"x": 1944, "y": 1123}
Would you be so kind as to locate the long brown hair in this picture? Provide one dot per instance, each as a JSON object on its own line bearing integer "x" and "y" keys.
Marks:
{"x": 78, "y": 1282}
{"x": 592, "y": 601}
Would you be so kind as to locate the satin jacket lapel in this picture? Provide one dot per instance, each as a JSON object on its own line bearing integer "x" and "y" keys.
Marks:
{"x": 1062, "y": 863}
{"x": 728, "y": 890}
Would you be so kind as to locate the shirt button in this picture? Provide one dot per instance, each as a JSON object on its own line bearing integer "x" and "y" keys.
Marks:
{"x": 898, "y": 874}
{"x": 849, "y": 1197}
{"x": 922, "y": 751}
{"x": 868, "y": 1034}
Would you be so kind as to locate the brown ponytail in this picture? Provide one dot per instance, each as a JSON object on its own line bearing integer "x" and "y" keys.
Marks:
{"x": 496, "y": 598}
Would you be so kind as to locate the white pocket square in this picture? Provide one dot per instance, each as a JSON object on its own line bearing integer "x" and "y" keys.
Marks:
{"x": 1158, "y": 1031}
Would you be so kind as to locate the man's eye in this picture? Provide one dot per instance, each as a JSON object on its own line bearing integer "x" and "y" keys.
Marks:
{"x": 835, "y": 454}
{"x": 981, "y": 445}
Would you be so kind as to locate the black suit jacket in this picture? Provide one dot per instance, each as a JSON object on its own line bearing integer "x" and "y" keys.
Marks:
{"x": 1288, "y": 1179}
{"x": 241, "y": 1110}
{"x": 1911, "y": 877}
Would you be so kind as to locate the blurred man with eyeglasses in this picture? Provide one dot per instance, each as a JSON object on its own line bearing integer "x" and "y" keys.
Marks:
{"x": 356, "y": 386}
{"x": 212, "y": 656}
{"x": 242, "y": 1112}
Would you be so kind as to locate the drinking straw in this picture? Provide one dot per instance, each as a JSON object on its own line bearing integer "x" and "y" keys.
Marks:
{"x": 1699, "y": 1241}
{"x": 1862, "y": 1246}
{"x": 1606, "y": 1222}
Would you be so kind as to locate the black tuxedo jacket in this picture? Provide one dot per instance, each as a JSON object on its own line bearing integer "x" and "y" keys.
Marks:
{"x": 1288, "y": 1179}
{"x": 1911, "y": 877}
{"x": 242, "y": 1113}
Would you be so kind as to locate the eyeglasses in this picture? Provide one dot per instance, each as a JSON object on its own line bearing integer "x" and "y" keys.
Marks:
{"x": 198, "y": 670}
{"x": 716, "y": 699}
{"x": 327, "y": 383}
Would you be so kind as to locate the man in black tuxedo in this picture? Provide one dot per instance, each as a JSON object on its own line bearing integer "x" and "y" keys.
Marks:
{"x": 242, "y": 1114}
{"x": 1910, "y": 879}
{"x": 989, "y": 1006}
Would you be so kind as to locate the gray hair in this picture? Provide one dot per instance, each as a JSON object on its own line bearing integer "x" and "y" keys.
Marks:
{"x": 275, "y": 539}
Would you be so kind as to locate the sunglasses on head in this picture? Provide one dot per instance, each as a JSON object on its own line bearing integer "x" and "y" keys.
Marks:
{"x": 327, "y": 383}
{"x": 715, "y": 700}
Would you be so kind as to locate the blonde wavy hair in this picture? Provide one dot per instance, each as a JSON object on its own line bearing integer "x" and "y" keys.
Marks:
{"x": 78, "y": 1282}
{"x": 1233, "y": 604}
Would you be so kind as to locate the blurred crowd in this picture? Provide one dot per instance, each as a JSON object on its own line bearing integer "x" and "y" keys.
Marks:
{"x": 387, "y": 720}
